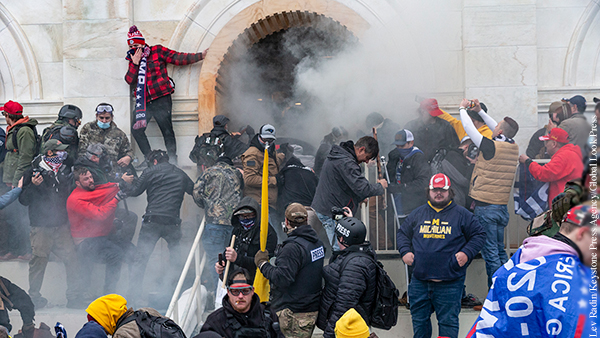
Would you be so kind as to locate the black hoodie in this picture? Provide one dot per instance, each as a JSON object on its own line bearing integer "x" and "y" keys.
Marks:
{"x": 296, "y": 183}
{"x": 342, "y": 183}
{"x": 247, "y": 242}
{"x": 296, "y": 277}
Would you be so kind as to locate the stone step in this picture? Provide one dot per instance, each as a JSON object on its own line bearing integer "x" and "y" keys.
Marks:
{"x": 54, "y": 290}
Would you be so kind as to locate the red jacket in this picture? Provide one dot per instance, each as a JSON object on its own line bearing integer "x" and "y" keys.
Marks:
{"x": 564, "y": 166}
{"x": 157, "y": 79}
{"x": 91, "y": 213}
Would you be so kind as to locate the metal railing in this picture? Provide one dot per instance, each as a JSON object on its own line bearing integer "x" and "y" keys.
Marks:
{"x": 173, "y": 311}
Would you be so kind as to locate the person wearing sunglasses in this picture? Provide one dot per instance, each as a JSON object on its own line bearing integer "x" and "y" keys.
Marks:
{"x": 242, "y": 314}
{"x": 116, "y": 144}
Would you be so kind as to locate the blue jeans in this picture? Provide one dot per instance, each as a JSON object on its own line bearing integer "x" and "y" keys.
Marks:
{"x": 215, "y": 239}
{"x": 441, "y": 297}
{"x": 329, "y": 226}
{"x": 493, "y": 218}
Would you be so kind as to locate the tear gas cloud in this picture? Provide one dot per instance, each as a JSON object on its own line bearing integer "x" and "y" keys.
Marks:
{"x": 341, "y": 85}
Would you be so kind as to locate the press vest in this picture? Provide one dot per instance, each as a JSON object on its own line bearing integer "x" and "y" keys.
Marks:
{"x": 304, "y": 294}
{"x": 492, "y": 180}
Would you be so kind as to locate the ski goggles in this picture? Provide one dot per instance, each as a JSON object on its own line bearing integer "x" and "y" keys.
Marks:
{"x": 104, "y": 108}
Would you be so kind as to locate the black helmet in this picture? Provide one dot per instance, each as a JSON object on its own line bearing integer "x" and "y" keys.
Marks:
{"x": 351, "y": 230}
{"x": 68, "y": 134}
{"x": 70, "y": 111}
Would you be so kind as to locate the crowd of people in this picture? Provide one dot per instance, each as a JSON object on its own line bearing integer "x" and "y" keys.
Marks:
{"x": 450, "y": 181}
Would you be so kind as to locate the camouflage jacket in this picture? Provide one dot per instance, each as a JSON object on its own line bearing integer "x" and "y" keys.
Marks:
{"x": 219, "y": 191}
{"x": 114, "y": 140}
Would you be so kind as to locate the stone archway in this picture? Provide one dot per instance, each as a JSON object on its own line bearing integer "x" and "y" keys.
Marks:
{"x": 254, "y": 23}
{"x": 19, "y": 72}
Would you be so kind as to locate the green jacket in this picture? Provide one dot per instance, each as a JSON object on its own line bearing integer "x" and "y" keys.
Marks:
{"x": 16, "y": 162}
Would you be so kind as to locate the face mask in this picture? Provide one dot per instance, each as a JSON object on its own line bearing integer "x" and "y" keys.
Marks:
{"x": 103, "y": 125}
{"x": 405, "y": 152}
{"x": 286, "y": 230}
{"x": 247, "y": 223}
{"x": 62, "y": 155}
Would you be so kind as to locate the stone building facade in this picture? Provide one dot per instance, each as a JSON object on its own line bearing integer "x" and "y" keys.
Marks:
{"x": 518, "y": 55}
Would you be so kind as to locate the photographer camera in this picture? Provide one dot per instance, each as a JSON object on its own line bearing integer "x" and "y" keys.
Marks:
{"x": 46, "y": 187}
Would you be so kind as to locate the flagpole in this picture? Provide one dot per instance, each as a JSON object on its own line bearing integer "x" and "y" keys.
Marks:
{"x": 261, "y": 284}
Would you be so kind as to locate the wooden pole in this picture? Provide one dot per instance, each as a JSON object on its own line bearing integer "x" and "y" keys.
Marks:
{"x": 226, "y": 272}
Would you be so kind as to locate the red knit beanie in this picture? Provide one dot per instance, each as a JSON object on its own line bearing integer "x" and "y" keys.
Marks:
{"x": 135, "y": 36}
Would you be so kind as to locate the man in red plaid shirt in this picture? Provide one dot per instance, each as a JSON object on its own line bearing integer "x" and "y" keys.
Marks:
{"x": 155, "y": 100}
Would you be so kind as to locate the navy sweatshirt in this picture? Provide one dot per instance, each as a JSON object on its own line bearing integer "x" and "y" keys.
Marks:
{"x": 435, "y": 237}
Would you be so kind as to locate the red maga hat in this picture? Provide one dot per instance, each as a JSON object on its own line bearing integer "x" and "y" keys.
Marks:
{"x": 556, "y": 134}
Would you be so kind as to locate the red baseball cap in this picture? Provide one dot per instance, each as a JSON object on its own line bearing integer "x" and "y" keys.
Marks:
{"x": 439, "y": 181}
{"x": 431, "y": 106}
{"x": 13, "y": 108}
{"x": 556, "y": 134}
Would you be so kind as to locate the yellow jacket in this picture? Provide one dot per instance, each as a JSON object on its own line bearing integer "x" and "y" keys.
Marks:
{"x": 107, "y": 310}
{"x": 458, "y": 127}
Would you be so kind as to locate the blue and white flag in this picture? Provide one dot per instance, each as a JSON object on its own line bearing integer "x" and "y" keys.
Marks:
{"x": 531, "y": 196}
{"x": 549, "y": 296}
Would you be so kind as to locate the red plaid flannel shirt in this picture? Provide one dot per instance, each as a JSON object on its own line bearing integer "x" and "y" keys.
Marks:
{"x": 157, "y": 79}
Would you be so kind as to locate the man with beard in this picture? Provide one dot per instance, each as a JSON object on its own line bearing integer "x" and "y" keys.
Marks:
{"x": 242, "y": 314}
{"x": 440, "y": 238}
{"x": 91, "y": 210}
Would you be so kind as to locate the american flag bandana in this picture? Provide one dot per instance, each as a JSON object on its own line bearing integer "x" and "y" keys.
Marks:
{"x": 53, "y": 162}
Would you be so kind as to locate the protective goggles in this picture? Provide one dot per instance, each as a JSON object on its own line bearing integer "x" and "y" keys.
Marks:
{"x": 244, "y": 289}
{"x": 104, "y": 108}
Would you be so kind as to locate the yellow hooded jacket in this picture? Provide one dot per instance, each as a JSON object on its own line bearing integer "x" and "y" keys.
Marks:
{"x": 107, "y": 310}
{"x": 460, "y": 130}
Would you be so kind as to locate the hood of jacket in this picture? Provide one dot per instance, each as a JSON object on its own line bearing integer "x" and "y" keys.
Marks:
{"x": 344, "y": 151}
{"x": 292, "y": 162}
{"x": 107, "y": 310}
{"x": 538, "y": 246}
{"x": 365, "y": 247}
{"x": 24, "y": 121}
{"x": 570, "y": 148}
{"x": 304, "y": 231}
{"x": 246, "y": 202}
{"x": 255, "y": 142}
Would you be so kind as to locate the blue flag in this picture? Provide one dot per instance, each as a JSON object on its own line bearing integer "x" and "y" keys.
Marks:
{"x": 549, "y": 296}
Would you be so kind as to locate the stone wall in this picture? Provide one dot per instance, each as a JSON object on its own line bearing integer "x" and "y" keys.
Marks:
{"x": 518, "y": 55}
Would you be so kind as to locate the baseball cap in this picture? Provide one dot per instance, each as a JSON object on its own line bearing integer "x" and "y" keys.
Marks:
{"x": 554, "y": 106}
{"x": 439, "y": 181}
{"x": 13, "y": 108}
{"x": 296, "y": 213}
{"x": 403, "y": 137}
{"x": 581, "y": 215}
{"x": 431, "y": 106}
{"x": 267, "y": 131}
{"x": 577, "y": 100}
{"x": 54, "y": 144}
{"x": 244, "y": 211}
{"x": 220, "y": 120}
{"x": 556, "y": 134}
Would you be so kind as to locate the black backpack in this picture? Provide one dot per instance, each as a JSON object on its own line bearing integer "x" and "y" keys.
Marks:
{"x": 207, "y": 149}
{"x": 385, "y": 313}
{"x": 153, "y": 326}
{"x": 38, "y": 138}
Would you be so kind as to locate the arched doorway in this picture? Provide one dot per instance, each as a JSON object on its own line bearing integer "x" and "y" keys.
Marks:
{"x": 256, "y": 80}
{"x": 255, "y": 23}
